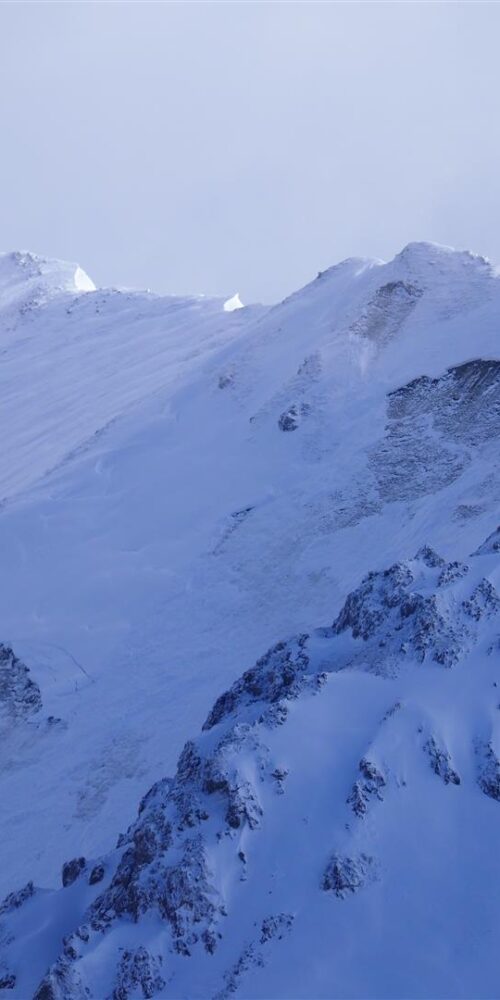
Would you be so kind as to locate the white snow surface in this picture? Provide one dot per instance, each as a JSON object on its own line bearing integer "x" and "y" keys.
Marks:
{"x": 185, "y": 485}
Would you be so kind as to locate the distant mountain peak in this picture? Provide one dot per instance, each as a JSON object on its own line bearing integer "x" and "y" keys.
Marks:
{"x": 423, "y": 255}
{"x": 25, "y": 275}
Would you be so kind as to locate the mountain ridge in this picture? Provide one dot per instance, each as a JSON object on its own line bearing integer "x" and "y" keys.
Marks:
{"x": 184, "y": 486}
{"x": 193, "y": 842}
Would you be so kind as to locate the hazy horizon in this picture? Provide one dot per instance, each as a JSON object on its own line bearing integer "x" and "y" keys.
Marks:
{"x": 243, "y": 147}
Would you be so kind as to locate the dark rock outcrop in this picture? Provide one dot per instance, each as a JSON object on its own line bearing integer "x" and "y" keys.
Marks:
{"x": 71, "y": 870}
{"x": 20, "y": 696}
{"x": 440, "y": 762}
{"x": 367, "y": 788}
{"x": 290, "y": 420}
{"x": 488, "y": 769}
{"x": 277, "y": 676}
{"x": 345, "y": 875}
{"x": 390, "y": 608}
{"x": 139, "y": 974}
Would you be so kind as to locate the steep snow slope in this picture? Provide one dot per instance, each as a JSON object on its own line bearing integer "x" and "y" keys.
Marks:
{"x": 218, "y": 480}
{"x": 73, "y": 361}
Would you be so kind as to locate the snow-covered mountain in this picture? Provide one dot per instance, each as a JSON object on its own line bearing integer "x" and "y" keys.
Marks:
{"x": 184, "y": 485}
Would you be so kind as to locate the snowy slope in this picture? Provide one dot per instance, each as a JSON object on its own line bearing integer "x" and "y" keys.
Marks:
{"x": 185, "y": 486}
{"x": 73, "y": 361}
{"x": 333, "y": 832}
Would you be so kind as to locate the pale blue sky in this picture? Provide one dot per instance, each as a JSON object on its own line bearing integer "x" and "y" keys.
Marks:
{"x": 244, "y": 146}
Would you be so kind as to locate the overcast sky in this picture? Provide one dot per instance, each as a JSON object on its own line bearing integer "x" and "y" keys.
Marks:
{"x": 216, "y": 147}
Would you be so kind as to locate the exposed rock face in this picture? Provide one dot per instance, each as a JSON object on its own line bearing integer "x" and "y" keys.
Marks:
{"x": 278, "y": 676}
{"x": 367, "y": 788}
{"x": 455, "y": 400}
{"x": 440, "y": 761}
{"x": 139, "y": 973}
{"x": 395, "y": 609}
{"x": 20, "y": 696}
{"x": 72, "y": 870}
{"x": 386, "y": 312}
{"x": 291, "y": 418}
{"x": 488, "y": 769}
{"x": 436, "y": 429}
{"x": 62, "y": 983}
{"x": 452, "y": 571}
{"x": 346, "y": 875}
{"x": 16, "y": 899}
{"x": 484, "y": 601}
{"x": 275, "y": 926}
{"x": 491, "y": 546}
{"x": 97, "y": 874}
{"x": 225, "y": 379}
{"x": 432, "y": 425}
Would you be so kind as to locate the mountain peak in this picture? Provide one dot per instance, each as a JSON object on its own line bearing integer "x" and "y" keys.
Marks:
{"x": 25, "y": 275}
{"x": 422, "y": 255}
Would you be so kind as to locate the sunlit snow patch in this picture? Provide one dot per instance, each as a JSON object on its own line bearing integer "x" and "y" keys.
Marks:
{"x": 82, "y": 281}
{"x": 234, "y": 303}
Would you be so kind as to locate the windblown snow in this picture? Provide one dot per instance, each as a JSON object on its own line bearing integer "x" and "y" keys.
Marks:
{"x": 187, "y": 483}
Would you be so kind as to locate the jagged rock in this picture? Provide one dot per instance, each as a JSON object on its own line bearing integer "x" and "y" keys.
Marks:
{"x": 139, "y": 973}
{"x": 403, "y": 620}
{"x": 429, "y": 557}
{"x": 71, "y": 870}
{"x": 275, "y": 926}
{"x": 386, "y": 311}
{"x": 441, "y": 762}
{"x": 249, "y": 957}
{"x": 488, "y": 770}
{"x": 289, "y": 421}
{"x": 280, "y": 674}
{"x": 490, "y": 546}
{"x": 344, "y": 875}
{"x": 456, "y": 400}
{"x": 451, "y": 572}
{"x": 279, "y": 775}
{"x": 242, "y": 804}
{"x": 188, "y": 898}
{"x": 62, "y": 982}
{"x": 483, "y": 602}
{"x": 20, "y": 696}
{"x": 16, "y": 899}
{"x": 291, "y": 418}
{"x": 7, "y": 981}
{"x": 368, "y": 607}
{"x": 368, "y": 787}
{"x": 97, "y": 874}
{"x": 432, "y": 425}
{"x": 135, "y": 885}
{"x": 73, "y": 943}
